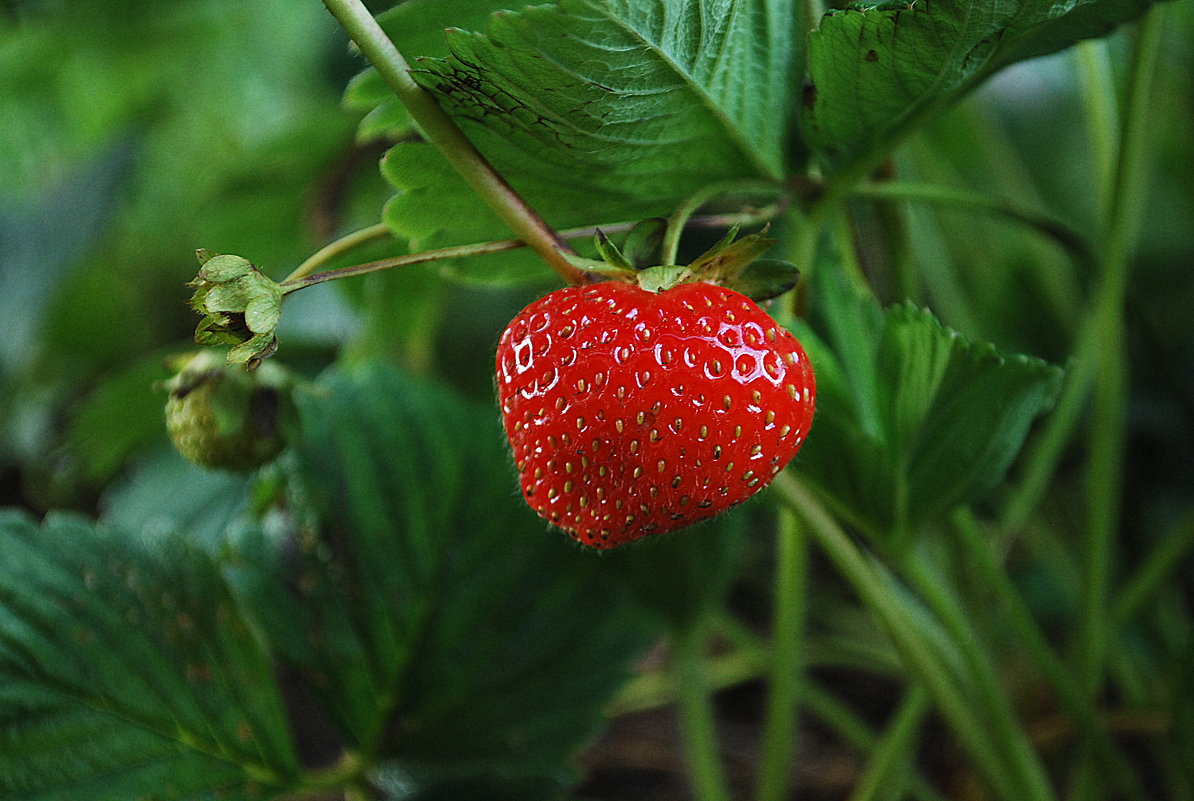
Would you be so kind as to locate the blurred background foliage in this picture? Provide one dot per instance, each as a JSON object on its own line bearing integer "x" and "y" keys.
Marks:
{"x": 133, "y": 132}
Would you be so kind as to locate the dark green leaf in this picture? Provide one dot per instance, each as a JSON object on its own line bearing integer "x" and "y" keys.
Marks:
{"x": 600, "y": 112}
{"x": 126, "y": 668}
{"x": 912, "y": 418}
{"x": 643, "y": 242}
{"x": 436, "y": 617}
{"x": 875, "y": 67}
{"x": 764, "y": 279}
{"x": 417, "y": 29}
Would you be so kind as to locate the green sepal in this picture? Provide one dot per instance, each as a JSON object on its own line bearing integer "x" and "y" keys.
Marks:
{"x": 610, "y": 253}
{"x": 764, "y": 279}
{"x": 596, "y": 266}
{"x": 660, "y": 278}
{"x": 241, "y": 307}
{"x": 643, "y": 242}
{"x": 726, "y": 260}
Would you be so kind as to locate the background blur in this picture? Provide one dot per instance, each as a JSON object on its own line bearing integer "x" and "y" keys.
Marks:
{"x": 133, "y": 132}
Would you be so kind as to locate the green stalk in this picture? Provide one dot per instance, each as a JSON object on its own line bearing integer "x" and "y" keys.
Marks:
{"x": 1104, "y": 482}
{"x": 342, "y": 245}
{"x": 1029, "y": 636}
{"x": 957, "y": 198}
{"x": 791, "y": 586}
{"x": 697, "y": 721}
{"x": 441, "y": 131}
{"x": 887, "y": 769}
{"x": 1004, "y": 730}
{"x": 304, "y": 275}
{"x": 851, "y": 728}
{"x": 1102, "y": 116}
{"x": 678, "y": 221}
{"x": 1164, "y": 560}
{"x": 918, "y": 652}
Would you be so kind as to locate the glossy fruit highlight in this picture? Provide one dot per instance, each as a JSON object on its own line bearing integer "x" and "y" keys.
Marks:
{"x": 632, "y": 412}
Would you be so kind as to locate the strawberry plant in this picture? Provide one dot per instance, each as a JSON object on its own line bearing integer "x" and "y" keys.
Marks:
{"x": 786, "y": 386}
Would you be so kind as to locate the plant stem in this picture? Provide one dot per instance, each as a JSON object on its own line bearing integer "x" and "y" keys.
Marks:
{"x": 304, "y": 277}
{"x": 1102, "y": 116}
{"x": 1104, "y": 482}
{"x": 851, "y": 728}
{"x": 407, "y": 260}
{"x": 697, "y": 720}
{"x": 791, "y": 585}
{"x": 1029, "y": 635}
{"x": 888, "y": 765}
{"x": 337, "y": 248}
{"x": 1158, "y": 566}
{"x": 1073, "y": 242}
{"x": 439, "y": 128}
{"x": 679, "y": 219}
{"x": 918, "y": 652}
{"x": 1005, "y": 732}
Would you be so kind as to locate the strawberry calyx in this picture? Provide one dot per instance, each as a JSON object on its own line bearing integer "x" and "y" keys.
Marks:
{"x": 733, "y": 262}
{"x": 240, "y": 305}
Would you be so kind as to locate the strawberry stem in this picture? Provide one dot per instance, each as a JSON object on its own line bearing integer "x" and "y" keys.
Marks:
{"x": 680, "y": 217}
{"x": 304, "y": 275}
{"x": 340, "y": 246}
{"x": 443, "y": 132}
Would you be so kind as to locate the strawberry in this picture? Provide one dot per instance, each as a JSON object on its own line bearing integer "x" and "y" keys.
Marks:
{"x": 224, "y": 417}
{"x": 633, "y": 412}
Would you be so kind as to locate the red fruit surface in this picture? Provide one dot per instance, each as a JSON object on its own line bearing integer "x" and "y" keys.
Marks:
{"x": 632, "y": 413}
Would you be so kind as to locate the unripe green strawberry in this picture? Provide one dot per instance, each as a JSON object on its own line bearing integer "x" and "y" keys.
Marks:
{"x": 224, "y": 417}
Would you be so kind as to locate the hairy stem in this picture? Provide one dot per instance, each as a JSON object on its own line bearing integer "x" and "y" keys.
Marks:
{"x": 439, "y": 128}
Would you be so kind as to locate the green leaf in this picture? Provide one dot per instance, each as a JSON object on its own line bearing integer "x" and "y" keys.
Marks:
{"x": 877, "y": 68}
{"x": 125, "y": 668}
{"x": 912, "y": 418}
{"x": 437, "y": 619}
{"x": 600, "y": 111}
{"x": 416, "y": 28}
{"x": 764, "y": 279}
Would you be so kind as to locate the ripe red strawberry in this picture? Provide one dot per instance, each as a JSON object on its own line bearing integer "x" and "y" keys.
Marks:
{"x": 632, "y": 413}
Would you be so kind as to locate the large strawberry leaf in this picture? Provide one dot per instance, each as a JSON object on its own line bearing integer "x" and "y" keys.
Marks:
{"x": 877, "y": 67}
{"x": 912, "y": 419}
{"x": 603, "y": 111}
{"x": 127, "y": 668}
{"x": 438, "y": 622}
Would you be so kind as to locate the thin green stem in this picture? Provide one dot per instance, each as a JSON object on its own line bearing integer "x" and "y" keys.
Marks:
{"x": 337, "y": 248}
{"x": 1108, "y": 426}
{"x": 677, "y": 223}
{"x": 887, "y": 768}
{"x": 1030, "y": 637}
{"x": 1099, "y": 107}
{"x": 954, "y": 197}
{"x": 439, "y": 129}
{"x": 791, "y": 585}
{"x": 697, "y": 720}
{"x": 406, "y": 260}
{"x": 918, "y": 652}
{"x": 851, "y": 728}
{"x": 1005, "y": 731}
{"x": 1162, "y": 562}
{"x": 304, "y": 277}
